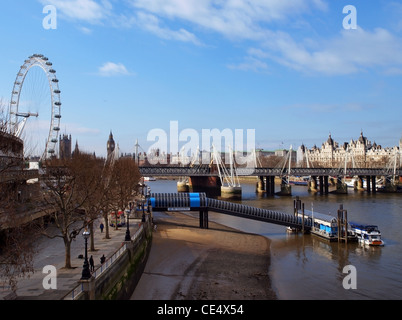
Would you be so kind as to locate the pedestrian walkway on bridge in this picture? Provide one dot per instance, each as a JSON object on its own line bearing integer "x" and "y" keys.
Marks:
{"x": 199, "y": 202}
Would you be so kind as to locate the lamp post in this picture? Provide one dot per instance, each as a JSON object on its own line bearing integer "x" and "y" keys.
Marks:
{"x": 128, "y": 235}
{"x": 148, "y": 194}
{"x": 144, "y": 200}
{"x": 86, "y": 273}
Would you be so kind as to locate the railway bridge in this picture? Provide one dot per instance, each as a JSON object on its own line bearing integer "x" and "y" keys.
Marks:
{"x": 319, "y": 176}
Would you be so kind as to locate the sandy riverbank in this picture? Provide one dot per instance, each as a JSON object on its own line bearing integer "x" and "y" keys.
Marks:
{"x": 190, "y": 263}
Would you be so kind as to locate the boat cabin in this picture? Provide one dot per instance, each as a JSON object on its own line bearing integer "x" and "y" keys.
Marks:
{"x": 323, "y": 225}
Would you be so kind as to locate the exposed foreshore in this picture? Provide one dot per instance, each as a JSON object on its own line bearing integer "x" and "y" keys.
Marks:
{"x": 189, "y": 263}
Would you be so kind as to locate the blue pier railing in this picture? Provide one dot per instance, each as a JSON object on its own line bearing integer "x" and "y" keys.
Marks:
{"x": 199, "y": 201}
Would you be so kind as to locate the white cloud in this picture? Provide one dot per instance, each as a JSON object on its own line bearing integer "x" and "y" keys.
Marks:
{"x": 151, "y": 23}
{"x": 235, "y": 19}
{"x": 109, "y": 69}
{"x": 350, "y": 52}
{"x": 255, "y": 22}
{"x": 85, "y": 30}
{"x": 84, "y": 10}
{"x": 250, "y": 64}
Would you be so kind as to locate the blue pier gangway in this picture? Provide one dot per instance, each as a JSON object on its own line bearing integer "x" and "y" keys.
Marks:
{"x": 200, "y": 202}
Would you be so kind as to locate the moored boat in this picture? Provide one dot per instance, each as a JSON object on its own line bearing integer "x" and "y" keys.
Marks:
{"x": 367, "y": 234}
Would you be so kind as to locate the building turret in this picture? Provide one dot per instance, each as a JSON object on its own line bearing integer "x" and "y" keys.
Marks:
{"x": 110, "y": 144}
{"x": 65, "y": 146}
{"x": 400, "y": 144}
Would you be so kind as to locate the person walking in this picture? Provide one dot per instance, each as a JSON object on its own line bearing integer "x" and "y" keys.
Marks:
{"x": 101, "y": 227}
{"x": 91, "y": 264}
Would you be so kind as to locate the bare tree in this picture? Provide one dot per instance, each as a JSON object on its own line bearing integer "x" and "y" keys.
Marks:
{"x": 16, "y": 238}
{"x": 95, "y": 203}
{"x": 3, "y": 116}
{"x": 123, "y": 184}
{"x": 70, "y": 187}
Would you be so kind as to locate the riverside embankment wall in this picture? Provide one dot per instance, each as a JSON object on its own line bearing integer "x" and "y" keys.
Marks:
{"x": 119, "y": 280}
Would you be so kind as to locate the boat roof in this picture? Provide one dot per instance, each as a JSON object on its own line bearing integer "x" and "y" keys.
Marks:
{"x": 319, "y": 215}
{"x": 363, "y": 226}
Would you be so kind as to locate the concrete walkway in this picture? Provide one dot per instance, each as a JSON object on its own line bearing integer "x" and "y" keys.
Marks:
{"x": 51, "y": 252}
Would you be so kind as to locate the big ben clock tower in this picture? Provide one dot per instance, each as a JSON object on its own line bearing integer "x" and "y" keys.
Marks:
{"x": 110, "y": 145}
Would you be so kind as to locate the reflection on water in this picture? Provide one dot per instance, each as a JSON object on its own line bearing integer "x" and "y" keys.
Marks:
{"x": 306, "y": 267}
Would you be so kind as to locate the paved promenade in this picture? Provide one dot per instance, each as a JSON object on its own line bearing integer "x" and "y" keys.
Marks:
{"x": 51, "y": 252}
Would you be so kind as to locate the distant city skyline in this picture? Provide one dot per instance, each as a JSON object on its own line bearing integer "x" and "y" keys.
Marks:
{"x": 291, "y": 70}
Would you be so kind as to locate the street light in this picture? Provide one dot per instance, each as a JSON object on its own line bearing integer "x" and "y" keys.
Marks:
{"x": 128, "y": 236}
{"x": 143, "y": 199}
{"x": 86, "y": 273}
{"x": 143, "y": 195}
{"x": 148, "y": 195}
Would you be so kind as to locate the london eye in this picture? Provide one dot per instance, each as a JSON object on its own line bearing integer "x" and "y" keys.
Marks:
{"x": 35, "y": 107}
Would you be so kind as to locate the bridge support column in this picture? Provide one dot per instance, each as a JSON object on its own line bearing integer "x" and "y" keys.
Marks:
{"x": 359, "y": 183}
{"x": 261, "y": 185}
{"x": 341, "y": 187}
{"x": 204, "y": 219}
{"x": 270, "y": 185}
{"x": 324, "y": 186}
{"x": 182, "y": 186}
{"x": 389, "y": 185}
{"x": 368, "y": 184}
{"x": 321, "y": 184}
{"x": 286, "y": 188}
{"x": 313, "y": 184}
{"x": 373, "y": 184}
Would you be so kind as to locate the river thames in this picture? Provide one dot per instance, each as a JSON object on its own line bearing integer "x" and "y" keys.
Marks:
{"x": 306, "y": 267}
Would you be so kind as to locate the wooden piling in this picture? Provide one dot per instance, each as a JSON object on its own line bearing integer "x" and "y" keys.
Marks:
{"x": 342, "y": 224}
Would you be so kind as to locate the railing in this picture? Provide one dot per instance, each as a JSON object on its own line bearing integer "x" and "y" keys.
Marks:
{"x": 182, "y": 201}
{"x": 13, "y": 175}
{"x": 79, "y": 289}
{"x": 187, "y": 171}
{"x": 104, "y": 266}
{"x": 250, "y": 212}
{"x": 74, "y": 294}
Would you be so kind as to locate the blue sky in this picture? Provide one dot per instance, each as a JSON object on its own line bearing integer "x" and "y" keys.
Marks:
{"x": 288, "y": 69}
